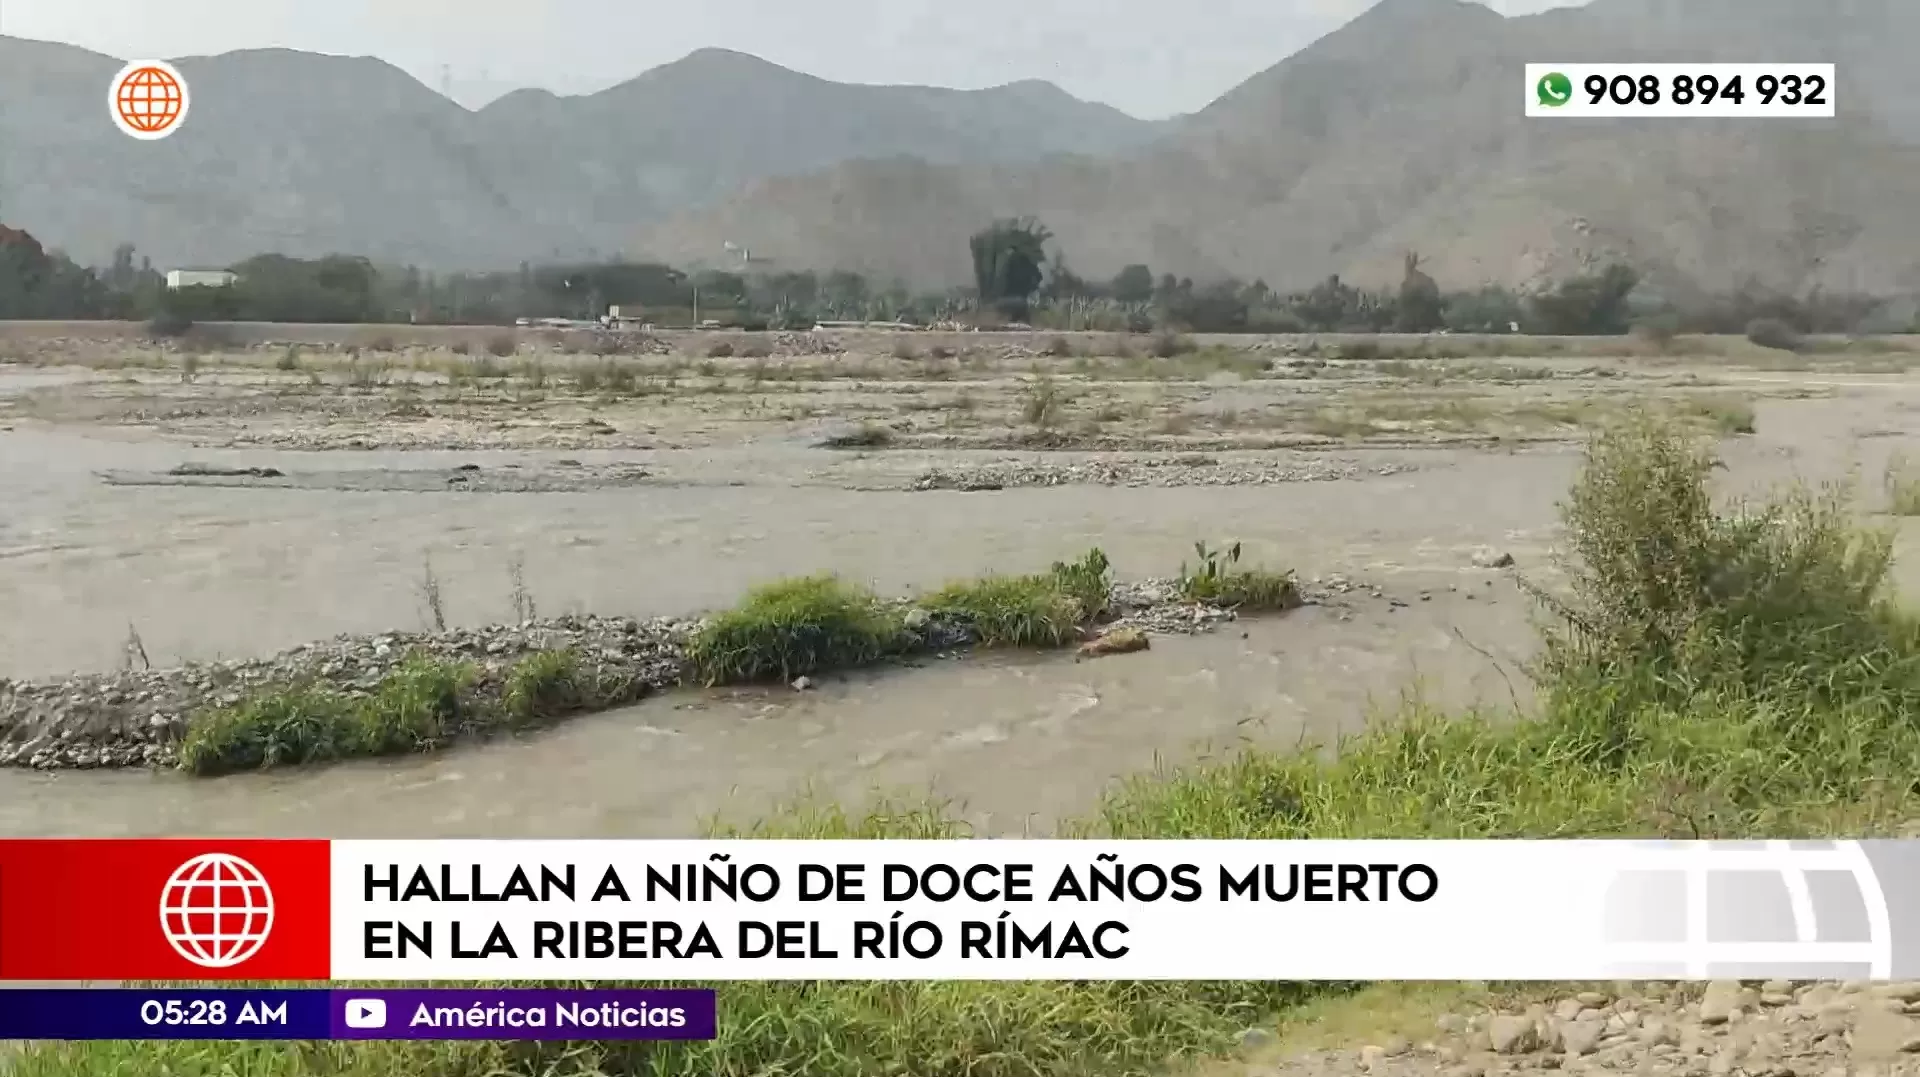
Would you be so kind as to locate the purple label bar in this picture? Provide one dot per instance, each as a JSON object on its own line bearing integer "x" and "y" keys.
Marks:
{"x": 523, "y": 1014}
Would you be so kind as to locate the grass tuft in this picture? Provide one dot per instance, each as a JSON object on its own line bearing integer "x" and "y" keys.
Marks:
{"x": 1011, "y": 611}
{"x": 1217, "y": 579}
{"x": 1902, "y": 481}
{"x": 794, "y": 627}
{"x": 416, "y": 707}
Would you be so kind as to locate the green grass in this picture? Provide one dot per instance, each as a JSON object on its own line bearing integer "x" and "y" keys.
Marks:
{"x": 422, "y": 705}
{"x": 1010, "y": 611}
{"x": 1218, "y": 580}
{"x": 1709, "y": 672}
{"x": 795, "y": 627}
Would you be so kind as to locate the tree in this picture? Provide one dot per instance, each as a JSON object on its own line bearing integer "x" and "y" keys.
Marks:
{"x": 1064, "y": 283}
{"x": 1134, "y": 284}
{"x": 1420, "y": 309}
{"x": 1008, "y": 260}
{"x": 1591, "y": 305}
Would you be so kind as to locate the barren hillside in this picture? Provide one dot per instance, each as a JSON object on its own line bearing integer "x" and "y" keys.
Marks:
{"x": 308, "y": 154}
{"x": 1404, "y": 130}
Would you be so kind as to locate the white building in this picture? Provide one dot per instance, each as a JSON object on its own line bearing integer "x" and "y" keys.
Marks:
{"x": 198, "y": 278}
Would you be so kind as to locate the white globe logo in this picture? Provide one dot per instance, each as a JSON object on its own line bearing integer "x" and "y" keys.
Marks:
{"x": 216, "y": 910}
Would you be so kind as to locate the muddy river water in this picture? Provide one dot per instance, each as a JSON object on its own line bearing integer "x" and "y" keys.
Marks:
{"x": 1014, "y": 744}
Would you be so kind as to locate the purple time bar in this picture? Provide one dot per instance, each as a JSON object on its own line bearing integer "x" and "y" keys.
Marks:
{"x": 523, "y": 1014}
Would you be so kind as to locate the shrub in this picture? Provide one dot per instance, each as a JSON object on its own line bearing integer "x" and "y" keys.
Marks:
{"x": 1088, "y": 581}
{"x": 794, "y": 627}
{"x": 720, "y": 350}
{"x": 1774, "y": 333}
{"x": 1669, "y": 599}
{"x": 501, "y": 345}
{"x": 1217, "y": 580}
{"x": 756, "y": 349}
{"x": 1059, "y": 348}
{"x": 1042, "y": 405}
{"x": 904, "y": 349}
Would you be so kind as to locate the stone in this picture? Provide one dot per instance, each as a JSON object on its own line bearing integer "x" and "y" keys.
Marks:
{"x": 801, "y": 684}
{"x": 1581, "y": 1037}
{"x": 1258, "y": 1039}
{"x": 1488, "y": 557}
{"x": 1878, "y": 1035}
{"x": 916, "y": 619}
{"x": 1722, "y": 999}
{"x": 1510, "y": 1035}
{"x": 1116, "y": 641}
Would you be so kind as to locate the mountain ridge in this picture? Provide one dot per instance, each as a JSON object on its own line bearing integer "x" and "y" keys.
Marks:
{"x": 307, "y": 153}
{"x": 1400, "y": 130}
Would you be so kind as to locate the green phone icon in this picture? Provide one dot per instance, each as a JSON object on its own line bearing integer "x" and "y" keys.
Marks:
{"x": 1554, "y": 89}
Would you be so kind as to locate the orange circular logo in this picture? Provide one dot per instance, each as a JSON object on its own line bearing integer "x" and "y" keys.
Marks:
{"x": 148, "y": 99}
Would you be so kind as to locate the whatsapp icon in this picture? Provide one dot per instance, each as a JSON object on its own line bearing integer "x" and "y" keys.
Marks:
{"x": 1554, "y": 89}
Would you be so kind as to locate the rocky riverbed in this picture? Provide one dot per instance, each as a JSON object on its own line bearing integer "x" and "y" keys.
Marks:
{"x": 136, "y": 716}
{"x": 1720, "y": 1029}
{"x": 1188, "y": 470}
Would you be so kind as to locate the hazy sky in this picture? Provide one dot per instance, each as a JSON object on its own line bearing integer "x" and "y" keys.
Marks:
{"x": 1150, "y": 57}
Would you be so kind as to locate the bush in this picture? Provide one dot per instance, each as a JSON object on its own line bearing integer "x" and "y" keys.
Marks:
{"x": 1217, "y": 580}
{"x": 501, "y": 345}
{"x": 1774, "y": 333}
{"x": 1042, "y": 404}
{"x": 904, "y": 349}
{"x": 720, "y": 349}
{"x": 1670, "y": 600}
{"x": 791, "y": 628}
{"x": 756, "y": 349}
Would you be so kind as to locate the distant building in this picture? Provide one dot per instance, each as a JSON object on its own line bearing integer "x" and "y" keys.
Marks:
{"x": 198, "y": 278}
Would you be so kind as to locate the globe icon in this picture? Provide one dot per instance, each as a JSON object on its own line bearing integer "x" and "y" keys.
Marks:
{"x": 149, "y": 100}
{"x": 1749, "y": 910}
{"x": 216, "y": 910}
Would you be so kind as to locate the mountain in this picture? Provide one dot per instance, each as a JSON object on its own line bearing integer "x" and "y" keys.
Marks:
{"x": 308, "y": 154}
{"x": 1403, "y": 130}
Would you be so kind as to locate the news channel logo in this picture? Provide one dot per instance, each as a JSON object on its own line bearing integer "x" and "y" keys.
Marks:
{"x": 148, "y": 100}
{"x": 1814, "y": 910}
{"x": 216, "y": 910}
